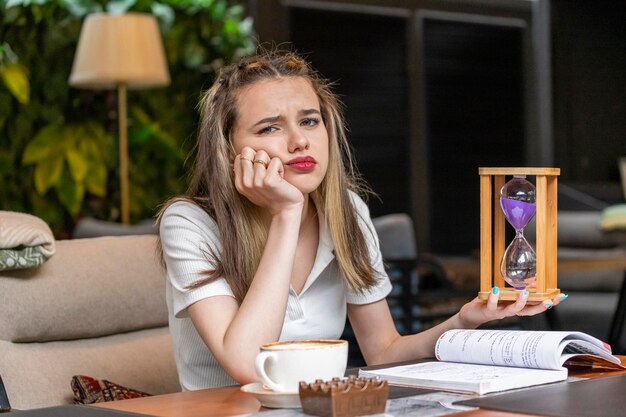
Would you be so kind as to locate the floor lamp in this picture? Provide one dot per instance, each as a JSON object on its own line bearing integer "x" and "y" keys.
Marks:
{"x": 120, "y": 51}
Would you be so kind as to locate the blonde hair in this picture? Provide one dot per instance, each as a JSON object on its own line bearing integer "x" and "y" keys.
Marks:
{"x": 242, "y": 230}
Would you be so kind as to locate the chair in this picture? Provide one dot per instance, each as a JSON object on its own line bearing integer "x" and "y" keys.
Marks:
{"x": 421, "y": 292}
{"x": 95, "y": 308}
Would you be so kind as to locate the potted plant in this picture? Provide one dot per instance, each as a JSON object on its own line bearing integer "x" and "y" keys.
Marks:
{"x": 58, "y": 155}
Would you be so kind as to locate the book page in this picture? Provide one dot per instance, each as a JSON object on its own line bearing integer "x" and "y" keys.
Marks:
{"x": 441, "y": 371}
{"x": 465, "y": 377}
{"x": 584, "y": 353}
{"x": 526, "y": 349}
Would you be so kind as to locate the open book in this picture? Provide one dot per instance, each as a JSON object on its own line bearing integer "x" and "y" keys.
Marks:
{"x": 483, "y": 361}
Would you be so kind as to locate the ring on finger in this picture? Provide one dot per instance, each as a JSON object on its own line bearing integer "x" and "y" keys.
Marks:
{"x": 245, "y": 159}
{"x": 262, "y": 162}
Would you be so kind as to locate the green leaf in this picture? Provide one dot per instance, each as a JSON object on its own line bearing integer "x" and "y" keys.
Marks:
{"x": 81, "y": 8}
{"x": 94, "y": 144}
{"x": 47, "y": 173}
{"x": 236, "y": 10}
{"x": 165, "y": 14}
{"x": 92, "y": 151}
{"x": 119, "y": 6}
{"x": 16, "y": 79}
{"x": 231, "y": 28}
{"x": 78, "y": 164}
{"x": 70, "y": 193}
{"x": 47, "y": 142}
{"x": 95, "y": 134}
{"x": 96, "y": 180}
{"x": 13, "y": 3}
{"x": 194, "y": 55}
{"x": 246, "y": 26}
{"x": 219, "y": 10}
{"x": 6, "y": 52}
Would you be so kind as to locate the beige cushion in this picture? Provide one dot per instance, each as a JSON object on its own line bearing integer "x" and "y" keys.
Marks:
{"x": 22, "y": 229}
{"x": 580, "y": 229}
{"x": 594, "y": 280}
{"x": 39, "y": 374}
{"x": 89, "y": 288}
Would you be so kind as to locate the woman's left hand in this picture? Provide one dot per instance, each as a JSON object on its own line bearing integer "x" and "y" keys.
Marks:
{"x": 477, "y": 311}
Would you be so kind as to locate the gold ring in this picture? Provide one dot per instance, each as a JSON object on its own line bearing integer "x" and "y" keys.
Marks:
{"x": 259, "y": 161}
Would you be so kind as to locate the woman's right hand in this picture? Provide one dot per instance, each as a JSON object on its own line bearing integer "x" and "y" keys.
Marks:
{"x": 233, "y": 331}
{"x": 261, "y": 180}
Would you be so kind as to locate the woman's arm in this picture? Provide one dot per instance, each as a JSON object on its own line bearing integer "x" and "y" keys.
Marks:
{"x": 234, "y": 333}
{"x": 380, "y": 342}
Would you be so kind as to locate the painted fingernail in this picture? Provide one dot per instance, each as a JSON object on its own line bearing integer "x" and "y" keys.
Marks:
{"x": 563, "y": 297}
{"x": 548, "y": 305}
{"x": 524, "y": 294}
{"x": 495, "y": 290}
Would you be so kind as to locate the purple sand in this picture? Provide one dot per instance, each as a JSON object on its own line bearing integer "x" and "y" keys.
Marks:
{"x": 517, "y": 212}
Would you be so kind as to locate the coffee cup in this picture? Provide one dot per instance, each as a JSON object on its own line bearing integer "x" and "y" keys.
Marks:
{"x": 282, "y": 365}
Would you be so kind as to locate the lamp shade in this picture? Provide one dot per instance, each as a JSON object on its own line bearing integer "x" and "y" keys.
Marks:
{"x": 119, "y": 49}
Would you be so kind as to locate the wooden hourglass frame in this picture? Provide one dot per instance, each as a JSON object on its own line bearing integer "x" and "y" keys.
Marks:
{"x": 492, "y": 232}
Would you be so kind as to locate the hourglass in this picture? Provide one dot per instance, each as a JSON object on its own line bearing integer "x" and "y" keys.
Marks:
{"x": 517, "y": 201}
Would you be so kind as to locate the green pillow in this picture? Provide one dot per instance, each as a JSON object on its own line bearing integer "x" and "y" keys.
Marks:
{"x": 21, "y": 257}
{"x": 613, "y": 218}
{"x": 26, "y": 241}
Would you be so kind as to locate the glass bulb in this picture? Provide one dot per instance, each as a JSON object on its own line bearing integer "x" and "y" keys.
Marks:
{"x": 517, "y": 200}
{"x": 519, "y": 263}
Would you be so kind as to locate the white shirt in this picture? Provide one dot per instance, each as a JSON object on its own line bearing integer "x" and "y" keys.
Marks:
{"x": 318, "y": 312}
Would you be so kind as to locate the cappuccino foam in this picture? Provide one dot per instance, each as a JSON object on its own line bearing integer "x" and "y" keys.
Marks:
{"x": 303, "y": 344}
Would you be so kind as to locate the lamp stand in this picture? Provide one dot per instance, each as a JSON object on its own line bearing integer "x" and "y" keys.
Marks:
{"x": 123, "y": 151}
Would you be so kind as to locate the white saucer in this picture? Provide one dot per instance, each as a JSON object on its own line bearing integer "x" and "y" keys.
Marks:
{"x": 272, "y": 399}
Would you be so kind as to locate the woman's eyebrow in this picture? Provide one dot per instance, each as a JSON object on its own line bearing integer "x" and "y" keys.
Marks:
{"x": 307, "y": 112}
{"x": 270, "y": 119}
{"x": 273, "y": 119}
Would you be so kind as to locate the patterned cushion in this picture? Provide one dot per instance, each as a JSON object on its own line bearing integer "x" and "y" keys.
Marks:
{"x": 21, "y": 257}
{"x": 26, "y": 241}
{"x": 88, "y": 390}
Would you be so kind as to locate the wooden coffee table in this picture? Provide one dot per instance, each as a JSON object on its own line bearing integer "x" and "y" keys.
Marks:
{"x": 231, "y": 401}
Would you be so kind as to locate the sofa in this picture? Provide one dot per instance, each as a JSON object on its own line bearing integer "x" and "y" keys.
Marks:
{"x": 95, "y": 308}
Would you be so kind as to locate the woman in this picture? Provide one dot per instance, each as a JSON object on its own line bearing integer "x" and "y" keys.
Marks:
{"x": 272, "y": 241}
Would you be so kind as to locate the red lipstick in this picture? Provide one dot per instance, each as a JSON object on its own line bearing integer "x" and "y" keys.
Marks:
{"x": 303, "y": 163}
